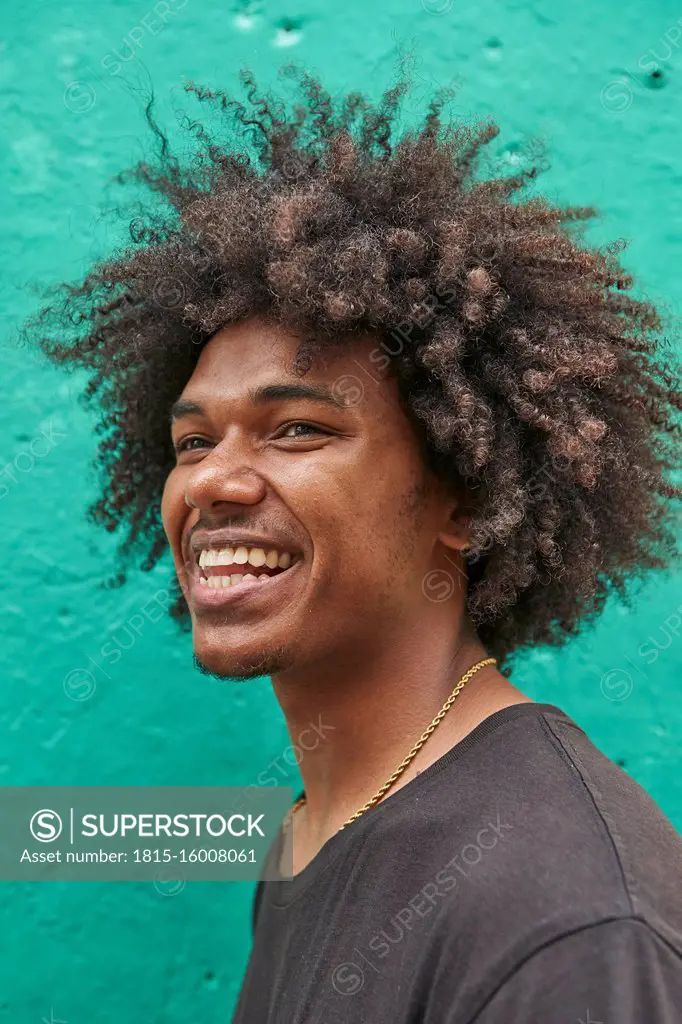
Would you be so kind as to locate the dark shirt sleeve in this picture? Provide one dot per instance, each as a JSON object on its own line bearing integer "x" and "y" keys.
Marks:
{"x": 616, "y": 972}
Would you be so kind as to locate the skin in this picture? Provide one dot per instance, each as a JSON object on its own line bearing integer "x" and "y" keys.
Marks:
{"x": 367, "y": 633}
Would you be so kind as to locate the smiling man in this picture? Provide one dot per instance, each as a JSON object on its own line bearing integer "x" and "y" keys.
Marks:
{"x": 400, "y": 429}
{"x": 292, "y": 520}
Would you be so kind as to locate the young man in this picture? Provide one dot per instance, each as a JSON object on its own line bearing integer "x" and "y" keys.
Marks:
{"x": 415, "y": 428}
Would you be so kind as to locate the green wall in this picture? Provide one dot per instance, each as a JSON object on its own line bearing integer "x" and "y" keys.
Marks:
{"x": 72, "y": 77}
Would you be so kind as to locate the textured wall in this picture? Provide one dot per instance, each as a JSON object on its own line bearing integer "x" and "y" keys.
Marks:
{"x": 603, "y": 82}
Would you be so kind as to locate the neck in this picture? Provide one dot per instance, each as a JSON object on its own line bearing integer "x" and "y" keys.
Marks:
{"x": 354, "y": 728}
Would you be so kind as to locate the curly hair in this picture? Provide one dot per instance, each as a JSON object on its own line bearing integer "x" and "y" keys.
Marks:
{"x": 528, "y": 374}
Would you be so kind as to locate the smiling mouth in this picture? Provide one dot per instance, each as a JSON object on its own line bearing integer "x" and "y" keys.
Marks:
{"x": 239, "y": 568}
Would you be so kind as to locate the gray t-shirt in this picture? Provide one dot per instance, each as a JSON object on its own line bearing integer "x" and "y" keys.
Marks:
{"x": 522, "y": 877}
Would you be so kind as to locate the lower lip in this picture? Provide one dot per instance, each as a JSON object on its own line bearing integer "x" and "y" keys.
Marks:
{"x": 203, "y": 596}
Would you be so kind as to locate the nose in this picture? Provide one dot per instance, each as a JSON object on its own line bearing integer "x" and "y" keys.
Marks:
{"x": 219, "y": 480}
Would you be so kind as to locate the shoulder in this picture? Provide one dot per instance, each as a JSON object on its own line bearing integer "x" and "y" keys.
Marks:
{"x": 539, "y": 834}
{"x": 617, "y": 839}
{"x": 546, "y": 861}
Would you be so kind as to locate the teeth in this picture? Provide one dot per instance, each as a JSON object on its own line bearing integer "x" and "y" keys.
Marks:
{"x": 216, "y": 582}
{"x": 220, "y": 582}
{"x": 244, "y": 555}
{"x": 223, "y": 557}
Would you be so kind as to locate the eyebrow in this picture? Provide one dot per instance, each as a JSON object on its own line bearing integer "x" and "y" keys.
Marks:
{"x": 262, "y": 396}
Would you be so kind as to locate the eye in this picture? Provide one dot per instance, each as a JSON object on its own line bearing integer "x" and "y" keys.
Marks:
{"x": 300, "y": 429}
{"x": 184, "y": 445}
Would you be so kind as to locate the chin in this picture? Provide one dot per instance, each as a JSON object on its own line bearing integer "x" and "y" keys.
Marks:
{"x": 247, "y": 664}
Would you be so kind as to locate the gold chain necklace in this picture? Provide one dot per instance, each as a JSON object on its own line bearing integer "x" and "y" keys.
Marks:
{"x": 412, "y": 754}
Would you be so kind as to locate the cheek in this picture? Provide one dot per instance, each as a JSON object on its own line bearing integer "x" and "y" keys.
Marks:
{"x": 363, "y": 528}
{"x": 397, "y": 526}
{"x": 172, "y": 510}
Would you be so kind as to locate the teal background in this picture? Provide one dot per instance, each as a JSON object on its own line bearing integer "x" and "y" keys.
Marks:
{"x": 580, "y": 75}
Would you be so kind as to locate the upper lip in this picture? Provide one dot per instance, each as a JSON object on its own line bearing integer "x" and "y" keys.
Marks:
{"x": 214, "y": 540}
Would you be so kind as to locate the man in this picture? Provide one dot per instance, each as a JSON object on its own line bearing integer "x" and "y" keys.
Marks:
{"x": 415, "y": 428}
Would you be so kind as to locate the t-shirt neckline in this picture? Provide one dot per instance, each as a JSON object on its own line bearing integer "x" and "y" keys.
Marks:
{"x": 282, "y": 892}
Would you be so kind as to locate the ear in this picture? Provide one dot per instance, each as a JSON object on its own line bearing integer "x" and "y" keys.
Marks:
{"x": 455, "y": 535}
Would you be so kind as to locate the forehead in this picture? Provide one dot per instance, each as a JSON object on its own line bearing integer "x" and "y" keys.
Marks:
{"x": 255, "y": 352}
